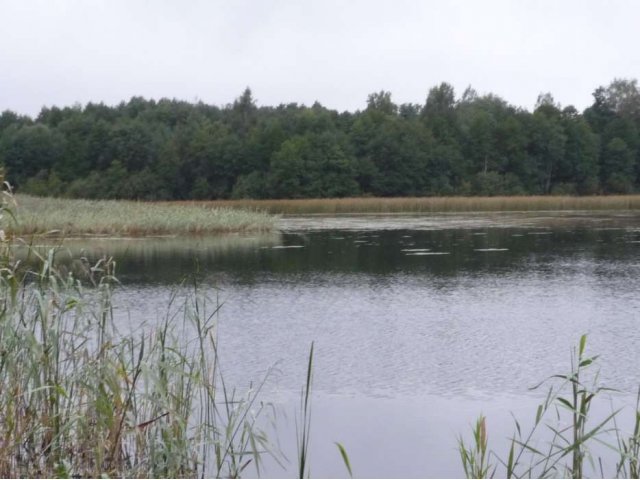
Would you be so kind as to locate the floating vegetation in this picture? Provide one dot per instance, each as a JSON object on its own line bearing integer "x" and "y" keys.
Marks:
{"x": 427, "y": 253}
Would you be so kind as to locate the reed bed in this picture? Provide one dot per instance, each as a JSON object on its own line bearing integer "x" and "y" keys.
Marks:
{"x": 370, "y": 205}
{"x": 80, "y": 399}
{"x": 66, "y": 217}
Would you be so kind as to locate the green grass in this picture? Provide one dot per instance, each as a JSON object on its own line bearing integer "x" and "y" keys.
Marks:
{"x": 331, "y": 206}
{"x": 560, "y": 442}
{"x": 65, "y": 217}
{"x": 77, "y": 398}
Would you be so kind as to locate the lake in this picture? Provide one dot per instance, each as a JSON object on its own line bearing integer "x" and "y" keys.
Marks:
{"x": 420, "y": 323}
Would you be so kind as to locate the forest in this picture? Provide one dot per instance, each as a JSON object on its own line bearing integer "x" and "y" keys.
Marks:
{"x": 448, "y": 145}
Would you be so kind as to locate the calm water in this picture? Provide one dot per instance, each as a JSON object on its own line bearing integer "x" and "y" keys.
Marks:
{"x": 419, "y": 323}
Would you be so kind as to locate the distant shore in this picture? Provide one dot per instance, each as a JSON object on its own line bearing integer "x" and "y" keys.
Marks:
{"x": 121, "y": 218}
{"x": 331, "y": 206}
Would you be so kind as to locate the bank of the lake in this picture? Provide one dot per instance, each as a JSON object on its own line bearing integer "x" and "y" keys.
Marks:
{"x": 123, "y": 218}
{"x": 420, "y": 324}
{"x": 331, "y": 206}
{"x": 65, "y": 217}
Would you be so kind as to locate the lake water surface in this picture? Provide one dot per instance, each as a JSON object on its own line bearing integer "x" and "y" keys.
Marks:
{"x": 420, "y": 323}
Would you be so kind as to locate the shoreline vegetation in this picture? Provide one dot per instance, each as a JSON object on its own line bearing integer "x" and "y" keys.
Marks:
{"x": 57, "y": 217}
{"x": 66, "y": 217}
{"x": 425, "y": 205}
{"x": 80, "y": 399}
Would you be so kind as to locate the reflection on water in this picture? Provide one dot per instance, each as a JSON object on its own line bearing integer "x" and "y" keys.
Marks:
{"x": 163, "y": 260}
{"x": 406, "y": 311}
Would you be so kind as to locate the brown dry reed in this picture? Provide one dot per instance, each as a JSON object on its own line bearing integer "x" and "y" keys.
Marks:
{"x": 332, "y": 206}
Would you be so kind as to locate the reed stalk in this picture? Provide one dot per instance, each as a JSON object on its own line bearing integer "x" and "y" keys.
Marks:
{"x": 558, "y": 444}
{"x": 78, "y": 398}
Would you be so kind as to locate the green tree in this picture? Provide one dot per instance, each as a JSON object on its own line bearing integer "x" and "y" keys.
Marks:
{"x": 579, "y": 166}
{"x": 477, "y": 144}
{"x": 438, "y": 112}
{"x": 547, "y": 142}
{"x": 312, "y": 166}
{"x": 252, "y": 185}
{"x": 618, "y": 166}
{"x": 243, "y": 113}
{"x": 45, "y": 184}
{"x": 28, "y": 150}
{"x": 211, "y": 155}
{"x": 392, "y": 151}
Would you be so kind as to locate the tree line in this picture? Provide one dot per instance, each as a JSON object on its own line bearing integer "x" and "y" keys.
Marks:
{"x": 468, "y": 145}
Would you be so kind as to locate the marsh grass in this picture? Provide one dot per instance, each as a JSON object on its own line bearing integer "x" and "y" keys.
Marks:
{"x": 332, "y": 206}
{"x": 560, "y": 442}
{"x": 65, "y": 217}
{"x": 80, "y": 399}
{"x": 474, "y": 459}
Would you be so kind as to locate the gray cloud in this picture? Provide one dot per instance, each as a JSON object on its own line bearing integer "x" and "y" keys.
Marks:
{"x": 335, "y": 52}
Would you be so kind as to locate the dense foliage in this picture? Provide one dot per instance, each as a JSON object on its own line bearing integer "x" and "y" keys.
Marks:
{"x": 472, "y": 145}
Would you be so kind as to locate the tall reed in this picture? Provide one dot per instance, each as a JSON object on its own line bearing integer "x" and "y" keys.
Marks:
{"x": 64, "y": 217}
{"x": 629, "y": 448}
{"x": 379, "y": 205}
{"x": 78, "y": 398}
{"x": 303, "y": 423}
{"x": 560, "y": 445}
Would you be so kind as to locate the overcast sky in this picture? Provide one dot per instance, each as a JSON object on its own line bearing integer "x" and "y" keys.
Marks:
{"x": 335, "y": 52}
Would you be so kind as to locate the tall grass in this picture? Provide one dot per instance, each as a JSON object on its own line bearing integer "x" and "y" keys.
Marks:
{"x": 332, "y": 206}
{"x": 125, "y": 218}
{"x": 78, "y": 398}
{"x": 560, "y": 442}
{"x": 475, "y": 458}
{"x": 303, "y": 423}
